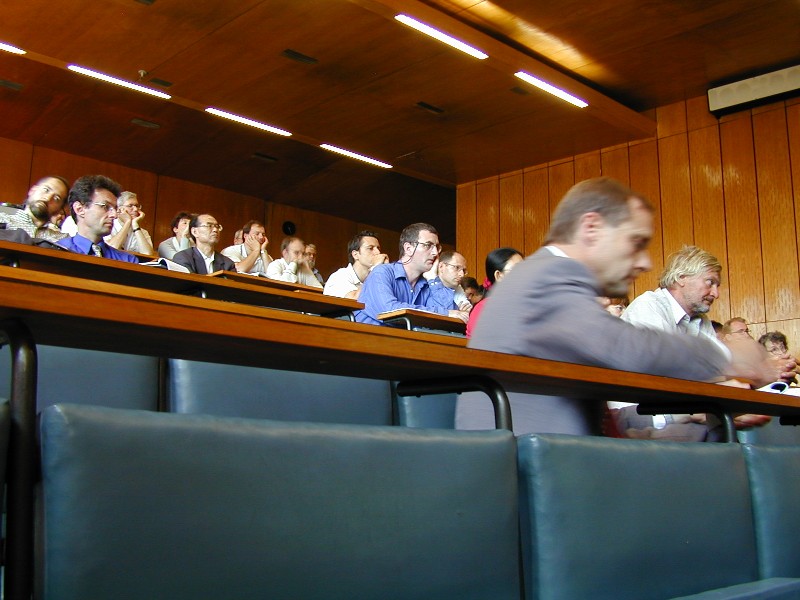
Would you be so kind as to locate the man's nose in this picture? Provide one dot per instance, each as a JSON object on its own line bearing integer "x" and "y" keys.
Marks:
{"x": 644, "y": 263}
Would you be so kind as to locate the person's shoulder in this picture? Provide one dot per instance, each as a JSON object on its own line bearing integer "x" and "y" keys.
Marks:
{"x": 187, "y": 254}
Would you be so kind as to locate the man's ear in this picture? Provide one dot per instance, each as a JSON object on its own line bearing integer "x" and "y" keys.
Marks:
{"x": 589, "y": 225}
{"x": 78, "y": 208}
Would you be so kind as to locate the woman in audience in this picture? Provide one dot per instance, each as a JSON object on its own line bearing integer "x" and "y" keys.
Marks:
{"x": 498, "y": 263}
{"x": 473, "y": 290}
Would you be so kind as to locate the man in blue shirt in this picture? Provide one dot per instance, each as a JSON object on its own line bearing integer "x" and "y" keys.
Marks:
{"x": 400, "y": 284}
{"x": 93, "y": 204}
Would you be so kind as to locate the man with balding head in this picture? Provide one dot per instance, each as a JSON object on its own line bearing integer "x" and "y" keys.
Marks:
{"x": 45, "y": 200}
{"x": 292, "y": 266}
{"x": 446, "y": 291}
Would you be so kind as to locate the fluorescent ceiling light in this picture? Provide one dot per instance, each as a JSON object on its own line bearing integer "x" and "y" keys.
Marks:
{"x": 442, "y": 37}
{"x": 367, "y": 159}
{"x": 246, "y": 121}
{"x": 551, "y": 89}
{"x": 12, "y": 49}
{"x": 122, "y": 82}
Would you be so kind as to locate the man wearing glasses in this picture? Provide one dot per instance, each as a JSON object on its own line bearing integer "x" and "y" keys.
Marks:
{"x": 400, "y": 284}
{"x": 127, "y": 232}
{"x": 201, "y": 259}
{"x": 446, "y": 288}
{"x": 93, "y": 204}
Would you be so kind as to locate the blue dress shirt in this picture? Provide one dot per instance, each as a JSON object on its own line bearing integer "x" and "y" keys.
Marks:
{"x": 441, "y": 295}
{"x": 82, "y": 245}
{"x": 387, "y": 288}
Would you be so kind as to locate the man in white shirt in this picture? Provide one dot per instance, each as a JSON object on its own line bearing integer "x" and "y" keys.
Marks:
{"x": 127, "y": 233}
{"x": 363, "y": 252}
{"x": 292, "y": 266}
{"x": 181, "y": 240}
{"x": 311, "y": 258}
{"x": 251, "y": 255}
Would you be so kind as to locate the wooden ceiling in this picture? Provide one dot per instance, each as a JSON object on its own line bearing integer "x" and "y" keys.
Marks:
{"x": 364, "y": 91}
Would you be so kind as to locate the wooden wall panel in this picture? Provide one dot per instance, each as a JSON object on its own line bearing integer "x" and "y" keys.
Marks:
{"x": 512, "y": 225}
{"x": 745, "y": 271}
{"x": 708, "y": 202}
{"x": 776, "y": 211}
{"x": 466, "y": 226}
{"x": 712, "y": 182}
{"x": 488, "y": 214}
{"x": 16, "y": 176}
{"x": 537, "y": 209}
{"x": 676, "y": 193}
{"x": 643, "y": 159}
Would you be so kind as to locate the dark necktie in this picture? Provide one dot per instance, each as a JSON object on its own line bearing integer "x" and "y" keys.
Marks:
{"x": 96, "y": 250}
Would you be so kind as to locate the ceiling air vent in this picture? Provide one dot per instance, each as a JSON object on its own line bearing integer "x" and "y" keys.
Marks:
{"x": 10, "y": 85}
{"x": 145, "y": 124}
{"x": 264, "y": 157}
{"x": 430, "y": 108}
{"x": 299, "y": 57}
{"x": 161, "y": 82}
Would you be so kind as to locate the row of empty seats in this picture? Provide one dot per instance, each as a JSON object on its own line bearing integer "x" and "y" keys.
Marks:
{"x": 140, "y": 504}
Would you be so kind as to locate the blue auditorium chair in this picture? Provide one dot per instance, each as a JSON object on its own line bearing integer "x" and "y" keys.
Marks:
{"x": 169, "y": 507}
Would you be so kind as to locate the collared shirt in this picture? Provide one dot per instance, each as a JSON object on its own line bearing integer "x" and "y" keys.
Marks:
{"x": 441, "y": 295}
{"x": 659, "y": 310}
{"x": 23, "y": 219}
{"x": 131, "y": 243}
{"x": 342, "y": 282}
{"x": 81, "y": 245}
{"x": 282, "y": 271}
{"x": 387, "y": 288}
{"x": 171, "y": 246}
{"x": 209, "y": 260}
{"x": 239, "y": 252}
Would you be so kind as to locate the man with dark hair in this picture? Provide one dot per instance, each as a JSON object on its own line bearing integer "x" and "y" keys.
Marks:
{"x": 205, "y": 231}
{"x": 251, "y": 255}
{"x": 446, "y": 288}
{"x": 401, "y": 284}
{"x": 93, "y": 205}
{"x": 45, "y": 200}
{"x": 547, "y": 308}
{"x": 363, "y": 254}
{"x": 181, "y": 240}
{"x": 292, "y": 267}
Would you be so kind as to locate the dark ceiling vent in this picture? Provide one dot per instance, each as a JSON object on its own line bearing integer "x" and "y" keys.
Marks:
{"x": 264, "y": 157}
{"x": 148, "y": 2}
{"x": 10, "y": 85}
{"x": 161, "y": 82}
{"x": 430, "y": 108}
{"x": 299, "y": 57}
{"x": 520, "y": 91}
{"x": 145, "y": 124}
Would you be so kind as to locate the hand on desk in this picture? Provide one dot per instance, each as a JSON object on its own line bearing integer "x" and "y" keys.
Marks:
{"x": 459, "y": 314}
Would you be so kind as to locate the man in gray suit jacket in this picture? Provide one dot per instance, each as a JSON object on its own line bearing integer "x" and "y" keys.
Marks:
{"x": 205, "y": 231}
{"x": 547, "y": 308}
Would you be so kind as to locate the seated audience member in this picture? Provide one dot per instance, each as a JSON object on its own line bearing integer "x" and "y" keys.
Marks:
{"x": 311, "y": 259}
{"x": 127, "y": 233}
{"x": 205, "y": 232}
{"x": 498, "y": 263}
{"x": 238, "y": 237}
{"x": 93, "y": 204}
{"x": 292, "y": 266}
{"x": 717, "y": 329}
{"x": 251, "y": 255}
{"x": 472, "y": 290}
{"x": 687, "y": 289}
{"x": 547, "y": 308}
{"x": 446, "y": 286}
{"x": 363, "y": 254}
{"x": 400, "y": 284}
{"x": 45, "y": 200}
{"x": 774, "y": 342}
{"x": 736, "y": 329}
{"x": 180, "y": 240}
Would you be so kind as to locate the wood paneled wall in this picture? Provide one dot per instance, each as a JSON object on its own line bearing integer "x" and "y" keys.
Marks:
{"x": 730, "y": 186}
{"x": 22, "y": 164}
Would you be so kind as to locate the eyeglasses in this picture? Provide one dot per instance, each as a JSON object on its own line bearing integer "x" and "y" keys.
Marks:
{"x": 428, "y": 245}
{"x": 105, "y": 206}
{"x": 211, "y": 226}
{"x": 457, "y": 268}
{"x": 136, "y": 206}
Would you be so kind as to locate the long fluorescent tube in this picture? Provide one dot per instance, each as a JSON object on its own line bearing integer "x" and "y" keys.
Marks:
{"x": 442, "y": 37}
{"x": 366, "y": 159}
{"x": 246, "y": 121}
{"x": 551, "y": 89}
{"x": 122, "y": 82}
{"x": 12, "y": 49}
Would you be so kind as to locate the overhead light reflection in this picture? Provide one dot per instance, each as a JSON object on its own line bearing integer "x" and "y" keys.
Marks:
{"x": 120, "y": 82}
{"x": 442, "y": 37}
{"x": 246, "y": 121}
{"x": 366, "y": 159}
{"x": 551, "y": 89}
{"x": 12, "y": 49}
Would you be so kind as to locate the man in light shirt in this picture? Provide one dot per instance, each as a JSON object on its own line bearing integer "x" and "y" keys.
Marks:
{"x": 251, "y": 255}
{"x": 127, "y": 233}
{"x": 45, "y": 199}
{"x": 363, "y": 253}
{"x": 292, "y": 266}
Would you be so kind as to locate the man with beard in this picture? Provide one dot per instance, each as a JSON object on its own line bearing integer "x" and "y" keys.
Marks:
{"x": 400, "y": 284}
{"x": 45, "y": 200}
{"x": 547, "y": 307}
{"x": 93, "y": 204}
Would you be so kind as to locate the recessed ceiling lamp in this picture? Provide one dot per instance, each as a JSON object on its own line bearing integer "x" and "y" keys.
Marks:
{"x": 366, "y": 159}
{"x": 442, "y": 37}
{"x": 115, "y": 81}
{"x": 246, "y": 121}
{"x": 12, "y": 49}
{"x": 551, "y": 89}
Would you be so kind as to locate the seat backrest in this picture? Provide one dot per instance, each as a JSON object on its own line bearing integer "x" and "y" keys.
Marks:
{"x": 164, "y": 506}
{"x": 772, "y": 433}
{"x": 5, "y": 424}
{"x": 774, "y": 473}
{"x": 435, "y": 411}
{"x": 90, "y": 377}
{"x": 229, "y": 390}
{"x": 630, "y": 519}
